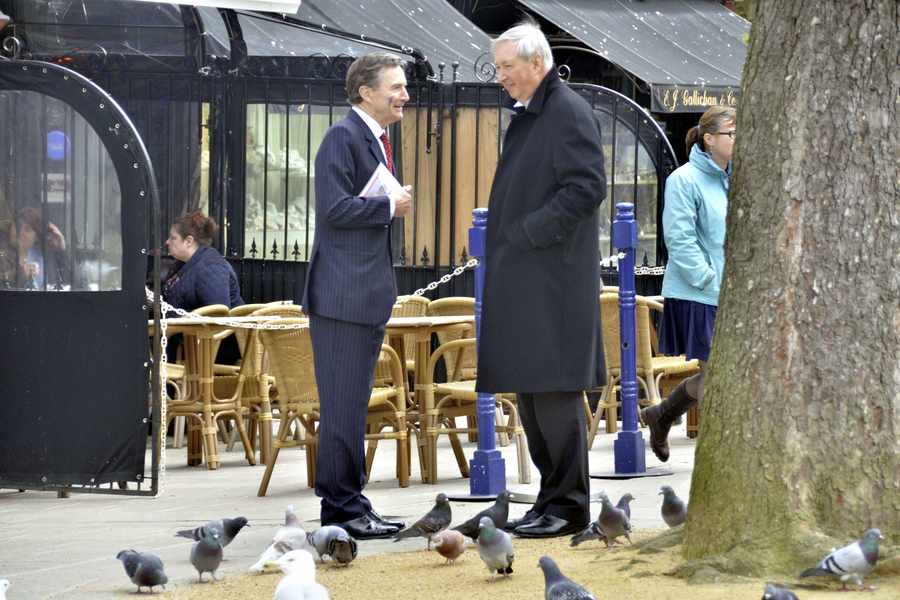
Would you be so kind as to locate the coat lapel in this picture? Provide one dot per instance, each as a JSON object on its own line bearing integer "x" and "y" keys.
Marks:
{"x": 374, "y": 148}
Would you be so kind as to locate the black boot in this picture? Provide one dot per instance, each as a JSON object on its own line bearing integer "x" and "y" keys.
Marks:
{"x": 659, "y": 419}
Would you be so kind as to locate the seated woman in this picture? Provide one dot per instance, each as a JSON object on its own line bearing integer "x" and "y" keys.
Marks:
{"x": 201, "y": 275}
{"x": 39, "y": 262}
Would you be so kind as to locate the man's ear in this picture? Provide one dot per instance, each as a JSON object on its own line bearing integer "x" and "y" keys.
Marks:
{"x": 365, "y": 92}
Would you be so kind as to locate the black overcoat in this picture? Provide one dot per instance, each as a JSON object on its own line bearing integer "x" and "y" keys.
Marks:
{"x": 540, "y": 327}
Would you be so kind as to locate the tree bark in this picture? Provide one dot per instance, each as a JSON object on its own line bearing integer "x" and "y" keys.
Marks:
{"x": 800, "y": 433}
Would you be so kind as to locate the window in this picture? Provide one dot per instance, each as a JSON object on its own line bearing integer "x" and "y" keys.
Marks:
{"x": 60, "y": 202}
{"x": 282, "y": 141}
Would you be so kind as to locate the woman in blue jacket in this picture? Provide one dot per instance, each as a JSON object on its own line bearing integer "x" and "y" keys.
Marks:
{"x": 201, "y": 275}
{"x": 694, "y": 225}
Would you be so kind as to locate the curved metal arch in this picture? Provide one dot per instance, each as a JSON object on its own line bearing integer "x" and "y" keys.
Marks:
{"x": 636, "y": 82}
{"x": 650, "y": 135}
{"x": 134, "y": 171}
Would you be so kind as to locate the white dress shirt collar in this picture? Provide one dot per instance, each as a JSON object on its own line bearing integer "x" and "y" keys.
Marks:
{"x": 377, "y": 130}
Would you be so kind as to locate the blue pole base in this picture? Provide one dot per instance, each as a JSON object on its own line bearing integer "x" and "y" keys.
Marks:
{"x": 487, "y": 473}
{"x": 630, "y": 452}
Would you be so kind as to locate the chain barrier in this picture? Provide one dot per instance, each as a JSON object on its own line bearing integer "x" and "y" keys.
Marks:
{"x": 473, "y": 262}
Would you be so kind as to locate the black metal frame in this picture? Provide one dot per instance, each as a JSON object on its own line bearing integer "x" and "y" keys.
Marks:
{"x": 130, "y": 157}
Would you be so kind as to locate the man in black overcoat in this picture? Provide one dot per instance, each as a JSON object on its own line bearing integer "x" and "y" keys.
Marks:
{"x": 540, "y": 328}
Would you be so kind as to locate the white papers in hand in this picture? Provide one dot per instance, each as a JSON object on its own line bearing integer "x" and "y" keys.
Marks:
{"x": 381, "y": 183}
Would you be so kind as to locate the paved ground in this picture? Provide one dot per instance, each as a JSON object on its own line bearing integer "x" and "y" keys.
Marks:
{"x": 66, "y": 548}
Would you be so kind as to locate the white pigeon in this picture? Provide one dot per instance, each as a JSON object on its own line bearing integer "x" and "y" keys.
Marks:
{"x": 4, "y": 585}
{"x": 290, "y": 536}
{"x": 851, "y": 562}
{"x": 299, "y": 582}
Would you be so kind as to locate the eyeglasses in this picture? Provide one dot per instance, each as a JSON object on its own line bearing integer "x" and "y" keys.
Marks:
{"x": 730, "y": 134}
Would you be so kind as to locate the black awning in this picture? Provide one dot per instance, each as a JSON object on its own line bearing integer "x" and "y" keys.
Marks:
{"x": 690, "y": 52}
{"x": 432, "y": 26}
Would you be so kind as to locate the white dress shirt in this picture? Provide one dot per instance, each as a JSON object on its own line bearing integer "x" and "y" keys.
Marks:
{"x": 377, "y": 131}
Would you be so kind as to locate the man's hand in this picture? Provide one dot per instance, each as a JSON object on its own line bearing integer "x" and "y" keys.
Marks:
{"x": 55, "y": 237}
{"x": 402, "y": 201}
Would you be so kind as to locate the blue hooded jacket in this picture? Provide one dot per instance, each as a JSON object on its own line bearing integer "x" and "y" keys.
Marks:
{"x": 205, "y": 279}
{"x": 694, "y": 228}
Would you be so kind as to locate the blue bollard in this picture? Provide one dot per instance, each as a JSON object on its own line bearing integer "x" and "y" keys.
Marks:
{"x": 629, "y": 445}
{"x": 487, "y": 469}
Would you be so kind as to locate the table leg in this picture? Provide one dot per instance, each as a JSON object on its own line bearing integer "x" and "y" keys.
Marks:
{"x": 265, "y": 421}
{"x": 427, "y": 415}
{"x": 206, "y": 397}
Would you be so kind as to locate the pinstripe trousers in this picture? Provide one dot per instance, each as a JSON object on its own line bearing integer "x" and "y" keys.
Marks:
{"x": 345, "y": 355}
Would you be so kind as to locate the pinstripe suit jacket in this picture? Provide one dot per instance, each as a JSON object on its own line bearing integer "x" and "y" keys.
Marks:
{"x": 351, "y": 273}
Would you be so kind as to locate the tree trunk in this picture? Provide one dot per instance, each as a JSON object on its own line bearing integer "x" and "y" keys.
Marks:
{"x": 801, "y": 417}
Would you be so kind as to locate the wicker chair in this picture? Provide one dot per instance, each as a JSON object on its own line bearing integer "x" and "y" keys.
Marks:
{"x": 458, "y": 399}
{"x": 652, "y": 371}
{"x": 410, "y": 306}
{"x": 290, "y": 357}
{"x": 203, "y": 416}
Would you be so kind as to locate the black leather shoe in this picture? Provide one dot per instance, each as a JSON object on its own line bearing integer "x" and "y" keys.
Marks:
{"x": 527, "y": 518}
{"x": 366, "y": 528}
{"x": 382, "y": 521}
{"x": 547, "y": 526}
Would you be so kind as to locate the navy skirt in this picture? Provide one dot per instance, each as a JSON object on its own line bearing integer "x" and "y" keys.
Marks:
{"x": 687, "y": 328}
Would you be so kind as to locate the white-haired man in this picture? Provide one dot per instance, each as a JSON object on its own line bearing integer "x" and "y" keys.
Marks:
{"x": 540, "y": 329}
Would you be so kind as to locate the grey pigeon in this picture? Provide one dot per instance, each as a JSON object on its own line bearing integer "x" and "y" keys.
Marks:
{"x": 613, "y": 522}
{"x": 498, "y": 513}
{"x": 436, "y": 520}
{"x": 226, "y": 528}
{"x": 333, "y": 541}
{"x": 776, "y": 592}
{"x": 589, "y": 533}
{"x": 290, "y": 536}
{"x": 144, "y": 569}
{"x": 624, "y": 503}
{"x": 674, "y": 510}
{"x": 495, "y": 548}
{"x": 559, "y": 587}
{"x": 206, "y": 554}
{"x": 851, "y": 562}
{"x": 4, "y": 585}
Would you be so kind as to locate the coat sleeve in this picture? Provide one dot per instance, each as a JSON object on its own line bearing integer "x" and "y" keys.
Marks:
{"x": 213, "y": 285}
{"x": 680, "y": 228}
{"x": 335, "y": 197}
{"x": 577, "y": 161}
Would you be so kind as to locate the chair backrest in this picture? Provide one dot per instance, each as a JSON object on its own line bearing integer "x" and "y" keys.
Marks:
{"x": 244, "y": 309}
{"x": 454, "y": 306}
{"x": 609, "y": 316}
{"x": 290, "y": 355}
{"x": 288, "y": 311}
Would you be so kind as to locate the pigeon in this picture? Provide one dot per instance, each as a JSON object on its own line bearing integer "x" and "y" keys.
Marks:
{"x": 612, "y": 522}
{"x": 559, "y": 587}
{"x": 299, "y": 582}
{"x": 4, "y": 585}
{"x": 333, "y": 541}
{"x": 498, "y": 513}
{"x": 625, "y": 504}
{"x": 144, "y": 569}
{"x": 591, "y": 532}
{"x": 436, "y": 520}
{"x": 206, "y": 554}
{"x": 674, "y": 511}
{"x": 450, "y": 544}
{"x": 495, "y": 548}
{"x": 290, "y": 536}
{"x": 851, "y": 562}
{"x": 226, "y": 528}
{"x": 776, "y": 592}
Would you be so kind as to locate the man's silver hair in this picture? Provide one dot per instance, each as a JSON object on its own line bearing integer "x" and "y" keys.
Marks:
{"x": 529, "y": 40}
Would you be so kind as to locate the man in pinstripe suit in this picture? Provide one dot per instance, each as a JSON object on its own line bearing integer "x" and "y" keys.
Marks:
{"x": 350, "y": 286}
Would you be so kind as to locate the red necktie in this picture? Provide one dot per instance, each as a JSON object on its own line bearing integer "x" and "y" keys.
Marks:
{"x": 388, "y": 151}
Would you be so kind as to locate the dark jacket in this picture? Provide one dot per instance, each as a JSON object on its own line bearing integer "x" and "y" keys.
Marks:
{"x": 205, "y": 279}
{"x": 540, "y": 327}
{"x": 351, "y": 272}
